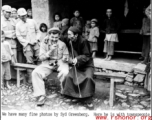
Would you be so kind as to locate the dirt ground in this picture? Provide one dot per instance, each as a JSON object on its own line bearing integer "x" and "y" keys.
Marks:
{"x": 18, "y": 99}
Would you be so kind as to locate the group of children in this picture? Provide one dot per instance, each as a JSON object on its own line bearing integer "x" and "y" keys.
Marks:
{"x": 90, "y": 30}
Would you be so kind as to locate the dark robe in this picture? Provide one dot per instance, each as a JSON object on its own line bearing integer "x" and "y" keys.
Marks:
{"x": 64, "y": 33}
{"x": 77, "y": 22}
{"x": 84, "y": 69}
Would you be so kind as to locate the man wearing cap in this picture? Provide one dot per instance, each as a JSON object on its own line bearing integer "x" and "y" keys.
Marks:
{"x": 82, "y": 77}
{"x": 53, "y": 54}
{"x": 14, "y": 15}
{"x": 8, "y": 26}
{"x": 27, "y": 34}
{"x": 3, "y": 9}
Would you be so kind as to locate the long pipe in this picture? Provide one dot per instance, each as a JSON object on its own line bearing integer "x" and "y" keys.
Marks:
{"x": 75, "y": 70}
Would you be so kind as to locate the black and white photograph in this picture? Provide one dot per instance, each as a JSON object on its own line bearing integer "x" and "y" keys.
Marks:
{"x": 76, "y": 55}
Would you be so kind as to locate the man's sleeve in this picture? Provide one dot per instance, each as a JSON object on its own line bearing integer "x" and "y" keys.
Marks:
{"x": 86, "y": 55}
{"x": 23, "y": 41}
{"x": 36, "y": 30}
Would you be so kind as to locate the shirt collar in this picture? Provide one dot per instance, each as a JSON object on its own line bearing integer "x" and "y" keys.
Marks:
{"x": 25, "y": 21}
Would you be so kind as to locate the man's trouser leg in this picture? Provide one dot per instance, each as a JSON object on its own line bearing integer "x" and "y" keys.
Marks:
{"x": 28, "y": 53}
{"x": 37, "y": 80}
{"x": 36, "y": 49}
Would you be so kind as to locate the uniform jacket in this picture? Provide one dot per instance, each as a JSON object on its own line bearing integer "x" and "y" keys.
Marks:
{"x": 56, "y": 54}
{"x": 27, "y": 32}
{"x": 8, "y": 26}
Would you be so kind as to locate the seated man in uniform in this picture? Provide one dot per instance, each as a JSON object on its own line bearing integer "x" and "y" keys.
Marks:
{"x": 52, "y": 51}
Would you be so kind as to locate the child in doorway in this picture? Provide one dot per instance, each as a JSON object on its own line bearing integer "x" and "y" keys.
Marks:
{"x": 43, "y": 32}
{"x": 93, "y": 37}
{"x": 6, "y": 58}
{"x": 57, "y": 21}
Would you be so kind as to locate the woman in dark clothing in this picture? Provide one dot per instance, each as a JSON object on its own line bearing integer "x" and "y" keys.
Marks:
{"x": 82, "y": 77}
{"x": 110, "y": 27}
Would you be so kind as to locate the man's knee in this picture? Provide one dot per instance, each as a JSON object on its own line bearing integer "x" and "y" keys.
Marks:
{"x": 29, "y": 56}
{"x": 35, "y": 72}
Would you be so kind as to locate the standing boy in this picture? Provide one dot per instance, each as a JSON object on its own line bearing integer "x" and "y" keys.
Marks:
{"x": 77, "y": 21}
{"x": 6, "y": 57}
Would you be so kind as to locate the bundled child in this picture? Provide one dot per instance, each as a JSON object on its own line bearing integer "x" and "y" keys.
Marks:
{"x": 87, "y": 29}
{"x": 93, "y": 37}
{"x": 7, "y": 58}
{"x": 57, "y": 21}
{"x": 64, "y": 29}
{"x": 43, "y": 32}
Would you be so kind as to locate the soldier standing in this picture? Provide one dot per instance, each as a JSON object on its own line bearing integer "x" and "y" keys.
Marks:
{"x": 27, "y": 34}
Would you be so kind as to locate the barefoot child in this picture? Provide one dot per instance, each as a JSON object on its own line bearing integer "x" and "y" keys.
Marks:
{"x": 6, "y": 58}
{"x": 93, "y": 37}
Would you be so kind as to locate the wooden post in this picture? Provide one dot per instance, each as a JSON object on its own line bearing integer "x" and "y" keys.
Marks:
{"x": 111, "y": 100}
{"x": 18, "y": 77}
{"x": 41, "y": 12}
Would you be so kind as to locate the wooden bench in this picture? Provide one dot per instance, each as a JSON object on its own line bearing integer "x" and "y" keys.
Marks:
{"x": 114, "y": 77}
{"x": 20, "y": 67}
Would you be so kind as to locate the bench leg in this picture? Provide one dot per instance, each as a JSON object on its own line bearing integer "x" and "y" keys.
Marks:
{"x": 18, "y": 78}
{"x": 112, "y": 92}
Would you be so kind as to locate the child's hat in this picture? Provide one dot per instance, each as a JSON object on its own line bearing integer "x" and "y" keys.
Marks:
{"x": 94, "y": 20}
{"x": 65, "y": 21}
